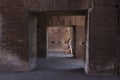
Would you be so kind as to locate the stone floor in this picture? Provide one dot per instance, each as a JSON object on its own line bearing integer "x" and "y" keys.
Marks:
{"x": 58, "y": 54}
{"x": 55, "y": 69}
{"x": 59, "y": 63}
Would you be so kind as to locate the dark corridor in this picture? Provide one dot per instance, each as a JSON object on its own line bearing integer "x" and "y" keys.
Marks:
{"x": 53, "y": 35}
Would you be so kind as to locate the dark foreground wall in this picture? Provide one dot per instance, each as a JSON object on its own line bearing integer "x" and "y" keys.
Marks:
{"x": 103, "y": 24}
{"x": 119, "y": 40}
{"x": 13, "y": 36}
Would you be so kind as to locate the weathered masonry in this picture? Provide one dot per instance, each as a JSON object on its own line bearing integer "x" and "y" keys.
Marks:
{"x": 19, "y": 43}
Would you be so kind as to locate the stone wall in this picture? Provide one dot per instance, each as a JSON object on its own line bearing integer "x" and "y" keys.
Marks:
{"x": 58, "y": 37}
{"x": 119, "y": 40}
{"x": 15, "y": 22}
{"x": 41, "y": 35}
{"x": 52, "y": 5}
{"x": 13, "y": 36}
{"x": 102, "y": 38}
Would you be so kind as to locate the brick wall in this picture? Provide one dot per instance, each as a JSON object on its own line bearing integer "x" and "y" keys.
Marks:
{"x": 102, "y": 38}
{"x": 41, "y": 36}
{"x": 119, "y": 39}
{"x": 51, "y": 5}
{"x": 13, "y": 36}
{"x": 14, "y": 23}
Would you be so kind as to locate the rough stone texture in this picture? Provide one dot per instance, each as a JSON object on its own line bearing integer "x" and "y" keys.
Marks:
{"x": 53, "y": 5}
{"x": 14, "y": 23}
{"x": 80, "y": 41}
{"x": 41, "y": 36}
{"x": 119, "y": 40}
{"x": 105, "y": 2}
{"x": 102, "y": 37}
{"x": 13, "y": 36}
{"x": 32, "y": 41}
{"x": 58, "y": 37}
